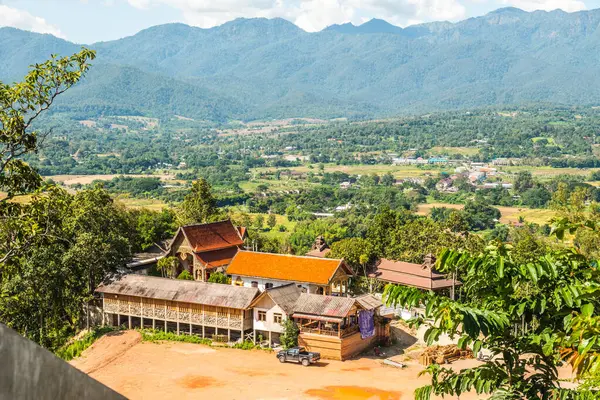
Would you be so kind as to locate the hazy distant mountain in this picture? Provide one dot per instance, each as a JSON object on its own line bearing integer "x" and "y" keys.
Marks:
{"x": 373, "y": 26}
{"x": 261, "y": 68}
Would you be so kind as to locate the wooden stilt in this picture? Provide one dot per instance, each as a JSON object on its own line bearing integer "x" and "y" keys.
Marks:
{"x": 130, "y": 322}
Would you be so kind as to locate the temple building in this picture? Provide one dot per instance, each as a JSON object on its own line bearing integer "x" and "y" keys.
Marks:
{"x": 319, "y": 248}
{"x": 206, "y": 248}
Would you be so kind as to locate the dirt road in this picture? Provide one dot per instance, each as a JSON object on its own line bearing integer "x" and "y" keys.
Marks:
{"x": 188, "y": 371}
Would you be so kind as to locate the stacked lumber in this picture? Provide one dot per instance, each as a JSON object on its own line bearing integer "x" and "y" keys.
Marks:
{"x": 444, "y": 354}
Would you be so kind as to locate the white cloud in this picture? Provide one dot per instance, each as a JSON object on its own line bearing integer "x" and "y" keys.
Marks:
{"x": 547, "y": 5}
{"x": 23, "y": 20}
{"x": 312, "y": 15}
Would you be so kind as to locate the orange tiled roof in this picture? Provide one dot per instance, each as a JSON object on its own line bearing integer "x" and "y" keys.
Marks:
{"x": 285, "y": 267}
{"x": 212, "y": 236}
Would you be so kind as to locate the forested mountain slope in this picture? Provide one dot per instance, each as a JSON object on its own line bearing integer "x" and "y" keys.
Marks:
{"x": 260, "y": 68}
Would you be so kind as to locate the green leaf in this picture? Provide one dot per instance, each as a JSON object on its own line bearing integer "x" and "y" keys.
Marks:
{"x": 587, "y": 310}
{"x": 500, "y": 267}
{"x": 532, "y": 272}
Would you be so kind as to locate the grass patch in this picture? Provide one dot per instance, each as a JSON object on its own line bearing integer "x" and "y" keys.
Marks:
{"x": 399, "y": 171}
{"x": 151, "y": 204}
{"x": 508, "y": 214}
{"x": 463, "y": 151}
{"x": 155, "y": 335}
{"x": 74, "y": 349}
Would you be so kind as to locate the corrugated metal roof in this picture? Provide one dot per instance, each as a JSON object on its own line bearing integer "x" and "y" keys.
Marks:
{"x": 285, "y": 296}
{"x": 369, "y": 302}
{"x": 211, "y": 294}
{"x": 328, "y": 306}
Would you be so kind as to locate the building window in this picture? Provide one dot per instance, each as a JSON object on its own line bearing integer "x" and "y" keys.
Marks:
{"x": 268, "y": 285}
{"x": 254, "y": 284}
{"x": 239, "y": 282}
{"x": 277, "y": 318}
{"x": 262, "y": 316}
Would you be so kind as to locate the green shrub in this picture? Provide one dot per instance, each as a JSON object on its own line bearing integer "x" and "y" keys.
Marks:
{"x": 186, "y": 276}
{"x": 219, "y": 277}
{"x": 246, "y": 345}
{"x": 74, "y": 349}
{"x": 289, "y": 337}
{"x": 155, "y": 335}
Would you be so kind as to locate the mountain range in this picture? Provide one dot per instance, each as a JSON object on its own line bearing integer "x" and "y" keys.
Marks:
{"x": 269, "y": 68}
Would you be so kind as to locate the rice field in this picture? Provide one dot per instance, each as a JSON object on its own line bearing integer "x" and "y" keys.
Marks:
{"x": 509, "y": 214}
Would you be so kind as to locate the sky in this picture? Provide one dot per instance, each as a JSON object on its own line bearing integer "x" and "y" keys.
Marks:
{"x": 90, "y": 21}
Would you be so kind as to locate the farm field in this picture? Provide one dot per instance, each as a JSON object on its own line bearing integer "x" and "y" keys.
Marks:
{"x": 465, "y": 151}
{"x": 69, "y": 180}
{"x": 509, "y": 214}
{"x": 151, "y": 204}
{"x": 548, "y": 172}
{"x": 189, "y": 371}
{"x": 399, "y": 171}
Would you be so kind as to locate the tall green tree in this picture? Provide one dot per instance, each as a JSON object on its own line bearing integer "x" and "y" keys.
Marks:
{"x": 20, "y": 105}
{"x": 529, "y": 316}
{"x": 84, "y": 240}
{"x": 199, "y": 206}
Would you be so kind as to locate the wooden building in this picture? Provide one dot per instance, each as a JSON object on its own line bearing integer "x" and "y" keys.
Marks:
{"x": 329, "y": 325}
{"x": 265, "y": 270}
{"x": 180, "y": 306}
{"x": 422, "y": 276}
{"x": 205, "y": 248}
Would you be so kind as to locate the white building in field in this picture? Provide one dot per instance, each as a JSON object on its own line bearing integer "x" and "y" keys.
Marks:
{"x": 271, "y": 308}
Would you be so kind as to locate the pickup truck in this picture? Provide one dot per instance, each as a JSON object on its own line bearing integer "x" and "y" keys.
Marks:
{"x": 298, "y": 355}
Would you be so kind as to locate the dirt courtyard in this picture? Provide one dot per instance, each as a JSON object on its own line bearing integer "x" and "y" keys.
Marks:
{"x": 142, "y": 370}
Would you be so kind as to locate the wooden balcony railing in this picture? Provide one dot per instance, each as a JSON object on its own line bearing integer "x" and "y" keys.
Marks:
{"x": 331, "y": 332}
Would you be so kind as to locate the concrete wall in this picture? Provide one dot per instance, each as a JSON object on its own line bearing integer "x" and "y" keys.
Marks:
{"x": 28, "y": 371}
{"x": 267, "y": 305}
{"x": 262, "y": 282}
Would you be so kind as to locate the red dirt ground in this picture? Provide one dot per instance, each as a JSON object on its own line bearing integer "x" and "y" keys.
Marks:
{"x": 141, "y": 370}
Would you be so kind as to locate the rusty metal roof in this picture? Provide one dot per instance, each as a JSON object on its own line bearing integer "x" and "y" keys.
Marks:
{"x": 210, "y": 294}
{"x": 285, "y": 296}
{"x": 327, "y": 306}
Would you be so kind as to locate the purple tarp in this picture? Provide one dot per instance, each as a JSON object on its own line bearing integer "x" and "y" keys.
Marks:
{"x": 366, "y": 323}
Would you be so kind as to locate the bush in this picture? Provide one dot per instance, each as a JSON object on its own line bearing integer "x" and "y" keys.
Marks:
{"x": 246, "y": 345}
{"x": 185, "y": 275}
{"x": 74, "y": 349}
{"x": 289, "y": 337}
{"x": 218, "y": 277}
{"x": 155, "y": 335}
